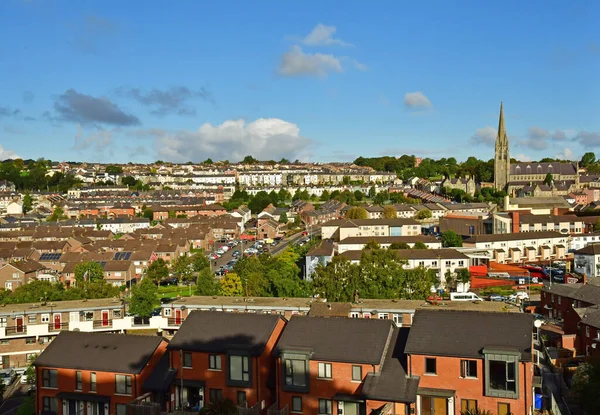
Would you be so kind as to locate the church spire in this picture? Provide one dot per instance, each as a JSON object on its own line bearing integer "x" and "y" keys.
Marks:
{"x": 501, "y": 128}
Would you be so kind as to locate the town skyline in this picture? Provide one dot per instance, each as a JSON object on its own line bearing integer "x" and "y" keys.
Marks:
{"x": 410, "y": 79}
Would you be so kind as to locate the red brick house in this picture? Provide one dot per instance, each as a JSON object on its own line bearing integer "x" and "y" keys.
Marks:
{"x": 559, "y": 301}
{"x": 225, "y": 356}
{"x": 472, "y": 360}
{"x": 94, "y": 373}
{"x": 329, "y": 365}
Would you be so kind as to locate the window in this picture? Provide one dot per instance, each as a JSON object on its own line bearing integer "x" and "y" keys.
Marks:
{"x": 117, "y": 314}
{"x": 503, "y": 408}
{"x": 187, "y": 360}
{"x": 31, "y": 319}
{"x": 8, "y": 285}
{"x": 295, "y": 372}
{"x": 86, "y": 316}
{"x": 123, "y": 384}
{"x": 30, "y": 357}
{"x": 430, "y": 366}
{"x": 357, "y": 373}
{"x": 45, "y": 318}
{"x": 78, "y": 381}
{"x": 215, "y": 395}
{"x": 296, "y": 404}
{"x": 397, "y": 319}
{"x": 93, "y": 382}
{"x": 121, "y": 409}
{"x": 324, "y": 406}
{"x": 214, "y": 362}
{"x": 468, "y": 368}
{"x": 354, "y": 315}
{"x": 49, "y": 404}
{"x": 168, "y": 312}
{"x": 50, "y": 378}
{"x": 241, "y": 398}
{"x": 2, "y": 321}
{"x": 502, "y": 376}
{"x": 325, "y": 370}
{"x": 468, "y": 405}
{"x": 29, "y": 340}
{"x": 239, "y": 368}
{"x": 383, "y": 316}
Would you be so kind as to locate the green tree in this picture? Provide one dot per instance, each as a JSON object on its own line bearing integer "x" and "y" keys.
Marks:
{"x": 372, "y": 192}
{"x": 372, "y": 244}
{"x": 206, "y": 283}
{"x": 172, "y": 214}
{"x": 199, "y": 262}
{"x": 256, "y": 285}
{"x": 182, "y": 268}
{"x": 357, "y": 213}
{"x": 399, "y": 245}
{"x": 549, "y": 179}
{"x": 585, "y": 384}
{"x": 597, "y": 225}
{"x": 27, "y": 203}
{"x": 451, "y": 239}
{"x": 359, "y": 196}
{"x": 143, "y": 298}
{"x": 114, "y": 170}
{"x": 463, "y": 276}
{"x": 148, "y": 214}
{"x": 588, "y": 159}
{"x": 249, "y": 160}
{"x": 89, "y": 271}
{"x": 424, "y": 214}
{"x": 208, "y": 161}
{"x": 325, "y": 196}
{"x": 57, "y": 214}
{"x": 259, "y": 202}
{"x": 231, "y": 285}
{"x": 283, "y": 218}
{"x": 419, "y": 245}
{"x": 157, "y": 271}
{"x": 389, "y": 212}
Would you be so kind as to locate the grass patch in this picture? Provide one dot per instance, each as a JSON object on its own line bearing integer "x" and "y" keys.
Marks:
{"x": 171, "y": 291}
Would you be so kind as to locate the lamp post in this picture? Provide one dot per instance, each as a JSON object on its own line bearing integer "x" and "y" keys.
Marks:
{"x": 538, "y": 324}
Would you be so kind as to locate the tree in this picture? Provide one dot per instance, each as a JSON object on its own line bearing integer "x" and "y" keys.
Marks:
{"x": 357, "y": 213}
{"x": 424, "y": 214}
{"x": 283, "y": 218}
{"x": 372, "y": 244}
{"x": 208, "y": 161}
{"x": 260, "y": 201}
{"x": 249, "y": 160}
{"x": 182, "y": 268}
{"x": 548, "y": 180}
{"x": 588, "y": 159}
{"x": 148, "y": 214}
{"x": 597, "y": 225}
{"x": 199, "y": 262}
{"x": 419, "y": 245}
{"x": 586, "y": 382}
{"x": 372, "y": 192}
{"x": 27, "y": 203}
{"x": 389, "y": 212}
{"x": 399, "y": 245}
{"x": 256, "y": 285}
{"x": 57, "y": 214}
{"x": 114, "y": 170}
{"x": 143, "y": 298}
{"x": 325, "y": 196}
{"x": 206, "y": 283}
{"x": 89, "y": 271}
{"x": 451, "y": 239}
{"x": 231, "y": 285}
{"x": 157, "y": 271}
{"x": 463, "y": 276}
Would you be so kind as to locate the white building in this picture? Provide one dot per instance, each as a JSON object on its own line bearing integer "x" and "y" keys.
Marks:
{"x": 587, "y": 260}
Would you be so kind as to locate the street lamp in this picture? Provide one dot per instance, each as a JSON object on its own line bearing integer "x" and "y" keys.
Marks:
{"x": 538, "y": 324}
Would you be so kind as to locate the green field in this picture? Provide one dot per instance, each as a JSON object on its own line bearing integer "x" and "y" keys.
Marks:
{"x": 173, "y": 291}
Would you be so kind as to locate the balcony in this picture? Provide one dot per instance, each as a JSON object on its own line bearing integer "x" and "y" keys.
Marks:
{"x": 174, "y": 322}
{"x": 15, "y": 330}
{"x": 53, "y": 327}
{"x": 103, "y": 324}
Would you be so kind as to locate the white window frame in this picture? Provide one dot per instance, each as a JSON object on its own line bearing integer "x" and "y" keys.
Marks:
{"x": 45, "y": 318}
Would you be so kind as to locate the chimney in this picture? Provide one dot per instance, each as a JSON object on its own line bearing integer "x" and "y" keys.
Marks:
{"x": 555, "y": 211}
{"x": 516, "y": 222}
{"x": 585, "y": 279}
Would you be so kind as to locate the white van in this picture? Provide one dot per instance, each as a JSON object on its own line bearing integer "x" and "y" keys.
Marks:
{"x": 465, "y": 297}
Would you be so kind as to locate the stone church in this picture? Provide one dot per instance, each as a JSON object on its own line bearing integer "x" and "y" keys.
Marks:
{"x": 523, "y": 176}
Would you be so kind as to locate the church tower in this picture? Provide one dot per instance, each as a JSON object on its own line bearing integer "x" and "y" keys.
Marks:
{"x": 502, "y": 160}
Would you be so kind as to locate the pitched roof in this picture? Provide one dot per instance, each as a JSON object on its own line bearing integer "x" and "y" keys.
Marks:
{"x": 389, "y": 239}
{"x": 337, "y": 339}
{"x": 591, "y": 249}
{"x": 514, "y": 236}
{"x": 467, "y": 333}
{"x": 119, "y": 353}
{"x": 445, "y": 253}
{"x": 218, "y": 332}
{"x": 392, "y": 383}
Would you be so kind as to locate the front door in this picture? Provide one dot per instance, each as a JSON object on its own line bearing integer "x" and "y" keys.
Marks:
{"x": 72, "y": 407}
{"x": 351, "y": 408}
{"x": 177, "y": 316}
{"x": 5, "y": 362}
{"x": 19, "y": 324}
{"x": 104, "y": 318}
{"x": 432, "y": 405}
{"x": 57, "y": 322}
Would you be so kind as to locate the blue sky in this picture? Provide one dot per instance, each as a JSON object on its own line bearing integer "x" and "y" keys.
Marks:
{"x": 322, "y": 81}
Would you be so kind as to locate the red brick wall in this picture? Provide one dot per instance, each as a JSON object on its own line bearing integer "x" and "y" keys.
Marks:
{"x": 448, "y": 377}
{"x": 341, "y": 383}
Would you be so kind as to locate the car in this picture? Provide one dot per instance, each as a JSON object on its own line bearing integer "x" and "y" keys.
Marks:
{"x": 23, "y": 379}
{"x": 156, "y": 312}
{"x": 265, "y": 250}
{"x": 225, "y": 248}
{"x": 235, "y": 254}
{"x": 221, "y": 272}
{"x": 519, "y": 295}
{"x": 496, "y": 297}
{"x": 7, "y": 376}
{"x": 220, "y": 252}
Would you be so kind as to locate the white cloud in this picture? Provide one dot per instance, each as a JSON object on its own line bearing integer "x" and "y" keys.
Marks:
{"x": 566, "y": 154}
{"x": 295, "y": 62}
{"x": 7, "y": 154}
{"x": 535, "y": 143}
{"x": 264, "y": 139}
{"x": 417, "y": 101}
{"x": 360, "y": 66}
{"x": 522, "y": 157}
{"x": 98, "y": 141}
{"x": 485, "y": 136}
{"x": 322, "y": 35}
{"x": 588, "y": 139}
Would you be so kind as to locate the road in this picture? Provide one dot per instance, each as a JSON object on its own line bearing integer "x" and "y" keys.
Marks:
{"x": 14, "y": 395}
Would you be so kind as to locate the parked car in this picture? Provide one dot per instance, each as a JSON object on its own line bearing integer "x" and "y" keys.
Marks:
{"x": 519, "y": 295}
{"x": 220, "y": 252}
{"x": 221, "y": 272}
{"x": 235, "y": 254}
{"x": 496, "y": 297}
{"x": 225, "y": 248}
{"x": 23, "y": 379}
{"x": 465, "y": 297}
{"x": 169, "y": 281}
{"x": 7, "y": 376}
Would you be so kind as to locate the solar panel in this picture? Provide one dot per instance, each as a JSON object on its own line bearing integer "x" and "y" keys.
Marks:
{"x": 122, "y": 256}
{"x": 50, "y": 256}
